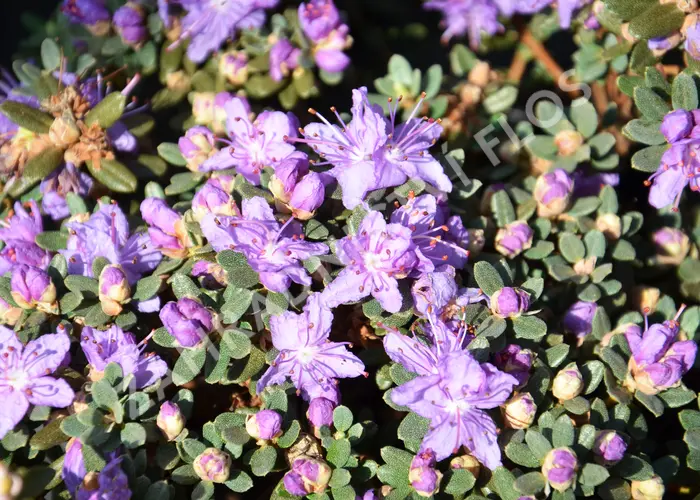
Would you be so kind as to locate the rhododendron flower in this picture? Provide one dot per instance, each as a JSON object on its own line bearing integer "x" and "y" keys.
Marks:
{"x": 19, "y": 232}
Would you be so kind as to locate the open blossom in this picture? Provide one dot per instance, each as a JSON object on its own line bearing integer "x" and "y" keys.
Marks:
{"x": 197, "y": 145}
{"x": 111, "y": 482}
{"x": 19, "y": 233}
{"x": 209, "y": 23}
{"x": 658, "y": 360}
{"x": 114, "y": 345}
{"x": 24, "y": 375}
{"x": 454, "y": 399}
{"x": 440, "y": 238}
{"x": 167, "y": 231}
{"x": 433, "y": 291}
{"x": 58, "y": 184}
{"x": 91, "y": 13}
{"x": 374, "y": 258}
{"x": 320, "y": 22}
{"x": 275, "y": 253}
{"x": 318, "y": 18}
{"x": 372, "y": 153}
{"x": 307, "y": 357}
{"x": 284, "y": 57}
{"x": 253, "y": 145}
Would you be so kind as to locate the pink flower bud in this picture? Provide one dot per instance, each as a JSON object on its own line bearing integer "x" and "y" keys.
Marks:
{"x": 265, "y": 425}
{"x": 213, "y": 465}
{"x": 170, "y": 420}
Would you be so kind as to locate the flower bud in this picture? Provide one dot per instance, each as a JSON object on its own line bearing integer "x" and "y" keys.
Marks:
{"x": 610, "y": 225}
{"x": 129, "y": 23}
{"x": 187, "y": 320}
{"x": 467, "y": 462}
{"x": 514, "y": 238}
{"x": 233, "y": 66}
{"x": 422, "y": 474}
{"x": 650, "y": 489}
{"x": 265, "y": 425}
{"x": 676, "y": 125}
{"x": 568, "y": 383}
{"x": 553, "y": 193}
{"x": 559, "y": 468}
{"x": 568, "y": 142}
{"x": 320, "y": 412}
{"x": 368, "y": 495}
{"x": 519, "y": 412}
{"x": 578, "y": 319}
{"x": 178, "y": 81}
{"x": 287, "y": 173}
{"x": 645, "y": 298}
{"x": 170, "y": 420}
{"x": 509, "y": 302}
{"x": 213, "y": 465}
{"x": 114, "y": 290}
{"x": 515, "y": 361}
{"x": 203, "y": 107}
{"x": 93, "y": 15}
{"x": 307, "y": 196}
{"x": 672, "y": 245}
{"x": 197, "y": 146}
{"x": 9, "y": 315}
{"x": 212, "y": 274}
{"x": 284, "y": 57}
{"x": 480, "y": 74}
{"x": 308, "y": 475}
{"x": 32, "y": 288}
{"x": 609, "y": 446}
{"x": 318, "y": 18}
{"x": 584, "y": 267}
{"x": 211, "y": 199}
{"x": 10, "y": 483}
{"x": 64, "y": 132}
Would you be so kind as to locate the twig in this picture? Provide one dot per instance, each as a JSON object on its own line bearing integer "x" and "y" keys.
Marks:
{"x": 542, "y": 55}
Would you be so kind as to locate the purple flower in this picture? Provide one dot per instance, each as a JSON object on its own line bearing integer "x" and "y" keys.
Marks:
{"x": 433, "y": 291}
{"x": 509, "y": 302}
{"x": 590, "y": 185}
{"x": 467, "y": 16}
{"x": 234, "y": 66}
{"x": 609, "y": 446}
{"x": 209, "y": 23}
{"x": 187, "y": 320}
{"x": 678, "y": 169}
{"x": 659, "y": 361}
{"x": 114, "y": 345}
{"x": 318, "y": 18}
{"x": 275, "y": 253}
{"x": 307, "y": 476}
{"x": 515, "y": 361}
{"x": 307, "y": 196}
{"x": 212, "y": 199}
{"x": 58, "y": 184}
{"x": 170, "y": 420}
{"x": 111, "y": 483}
{"x": 91, "y": 13}
{"x": 24, "y": 375}
{"x": 106, "y": 234}
{"x": 114, "y": 290}
{"x": 375, "y": 258}
{"x": 265, "y": 425}
{"x": 19, "y": 233}
{"x": 692, "y": 41}
{"x": 677, "y": 125}
{"x": 328, "y": 53}
{"x": 213, "y": 465}
{"x": 514, "y": 238}
{"x": 423, "y": 475}
{"x": 568, "y": 383}
{"x": 559, "y": 468}
{"x": 167, "y": 231}
{"x": 32, "y": 288}
{"x": 579, "y": 318}
{"x": 519, "y": 411}
{"x": 284, "y": 57}
{"x": 287, "y": 173}
{"x": 197, "y": 146}
{"x": 253, "y": 145}
{"x": 320, "y": 412}
{"x": 129, "y": 22}
{"x": 441, "y": 239}
{"x": 307, "y": 357}
{"x": 672, "y": 245}
{"x": 567, "y": 9}
{"x": 73, "y": 470}
{"x": 212, "y": 274}
{"x": 553, "y": 192}
{"x": 454, "y": 399}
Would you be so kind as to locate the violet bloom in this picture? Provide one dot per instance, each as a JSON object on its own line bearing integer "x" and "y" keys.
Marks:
{"x": 307, "y": 196}
{"x": 24, "y": 375}
{"x": 433, "y": 291}
{"x": 567, "y": 9}
{"x": 328, "y": 53}
{"x": 91, "y": 13}
{"x": 58, "y": 184}
{"x": 439, "y": 237}
{"x": 692, "y": 41}
{"x": 514, "y": 238}
{"x": 559, "y": 468}
{"x": 19, "y": 233}
{"x": 515, "y": 361}
{"x": 284, "y": 57}
{"x": 578, "y": 319}
{"x": 307, "y": 357}
{"x": 106, "y": 234}
{"x": 423, "y": 475}
{"x": 111, "y": 483}
{"x": 288, "y": 172}
{"x": 509, "y": 302}
{"x": 318, "y": 18}
{"x": 73, "y": 470}
{"x": 197, "y": 146}
{"x": 609, "y": 446}
{"x": 658, "y": 361}
{"x": 32, "y": 288}
{"x": 275, "y": 253}
{"x": 187, "y": 320}
{"x": 474, "y": 17}
{"x": 209, "y": 23}
{"x": 676, "y": 125}
{"x": 130, "y": 23}
{"x": 114, "y": 345}
{"x": 212, "y": 199}
{"x": 454, "y": 399}
{"x": 167, "y": 231}
{"x": 375, "y": 258}
{"x": 320, "y": 412}
{"x": 590, "y": 185}
{"x": 306, "y": 476}
{"x": 253, "y": 145}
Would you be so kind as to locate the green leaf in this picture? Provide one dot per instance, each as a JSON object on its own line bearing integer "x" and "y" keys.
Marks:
{"x": 50, "y": 55}
{"x": 538, "y": 444}
{"x": 592, "y": 372}
{"x": 652, "y": 106}
{"x": 170, "y": 152}
{"x": 651, "y": 403}
{"x": 502, "y": 207}
{"x": 571, "y": 247}
{"x": 48, "y": 436}
{"x": 458, "y": 481}
{"x": 52, "y": 240}
{"x": 239, "y": 481}
{"x": 412, "y": 430}
{"x": 107, "y": 112}
{"x": 183, "y": 183}
{"x": 624, "y": 251}
{"x": 563, "y": 432}
{"x": 400, "y": 69}
{"x": 487, "y": 277}
{"x": 263, "y": 460}
{"x": 648, "y": 159}
{"x": 529, "y": 327}
{"x": 646, "y": 132}
{"x": 633, "y": 468}
{"x": 133, "y": 435}
{"x": 183, "y": 287}
{"x": 584, "y": 116}
{"x": 690, "y": 419}
{"x": 240, "y": 273}
{"x": 556, "y": 355}
{"x": 36, "y": 169}
{"x": 520, "y": 454}
{"x": 236, "y": 344}
{"x": 628, "y": 9}
{"x": 113, "y": 174}
{"x": 577, "y": 405}
{"x": 147, "y": 287}
{"x": 530, "y": 484}
{"x": 657, "y": 21}
{"x": 106, "y": 397}
{"x": 685, "y": 93}
{"x": 27, "y": 117}
{"x": 342, "y": 418}
{"x": 675, "y": 397}
{"x": 339, "y": 452}
{"x": 593, "y": 474}
{"x": 188, "y": 365}
{"x": 290, "y": 435}
{"x": 203, "y": 491}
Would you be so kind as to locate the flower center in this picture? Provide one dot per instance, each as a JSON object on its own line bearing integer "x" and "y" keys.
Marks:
{"x": 17, "y": 379}
{"x": 306, "y": 355}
